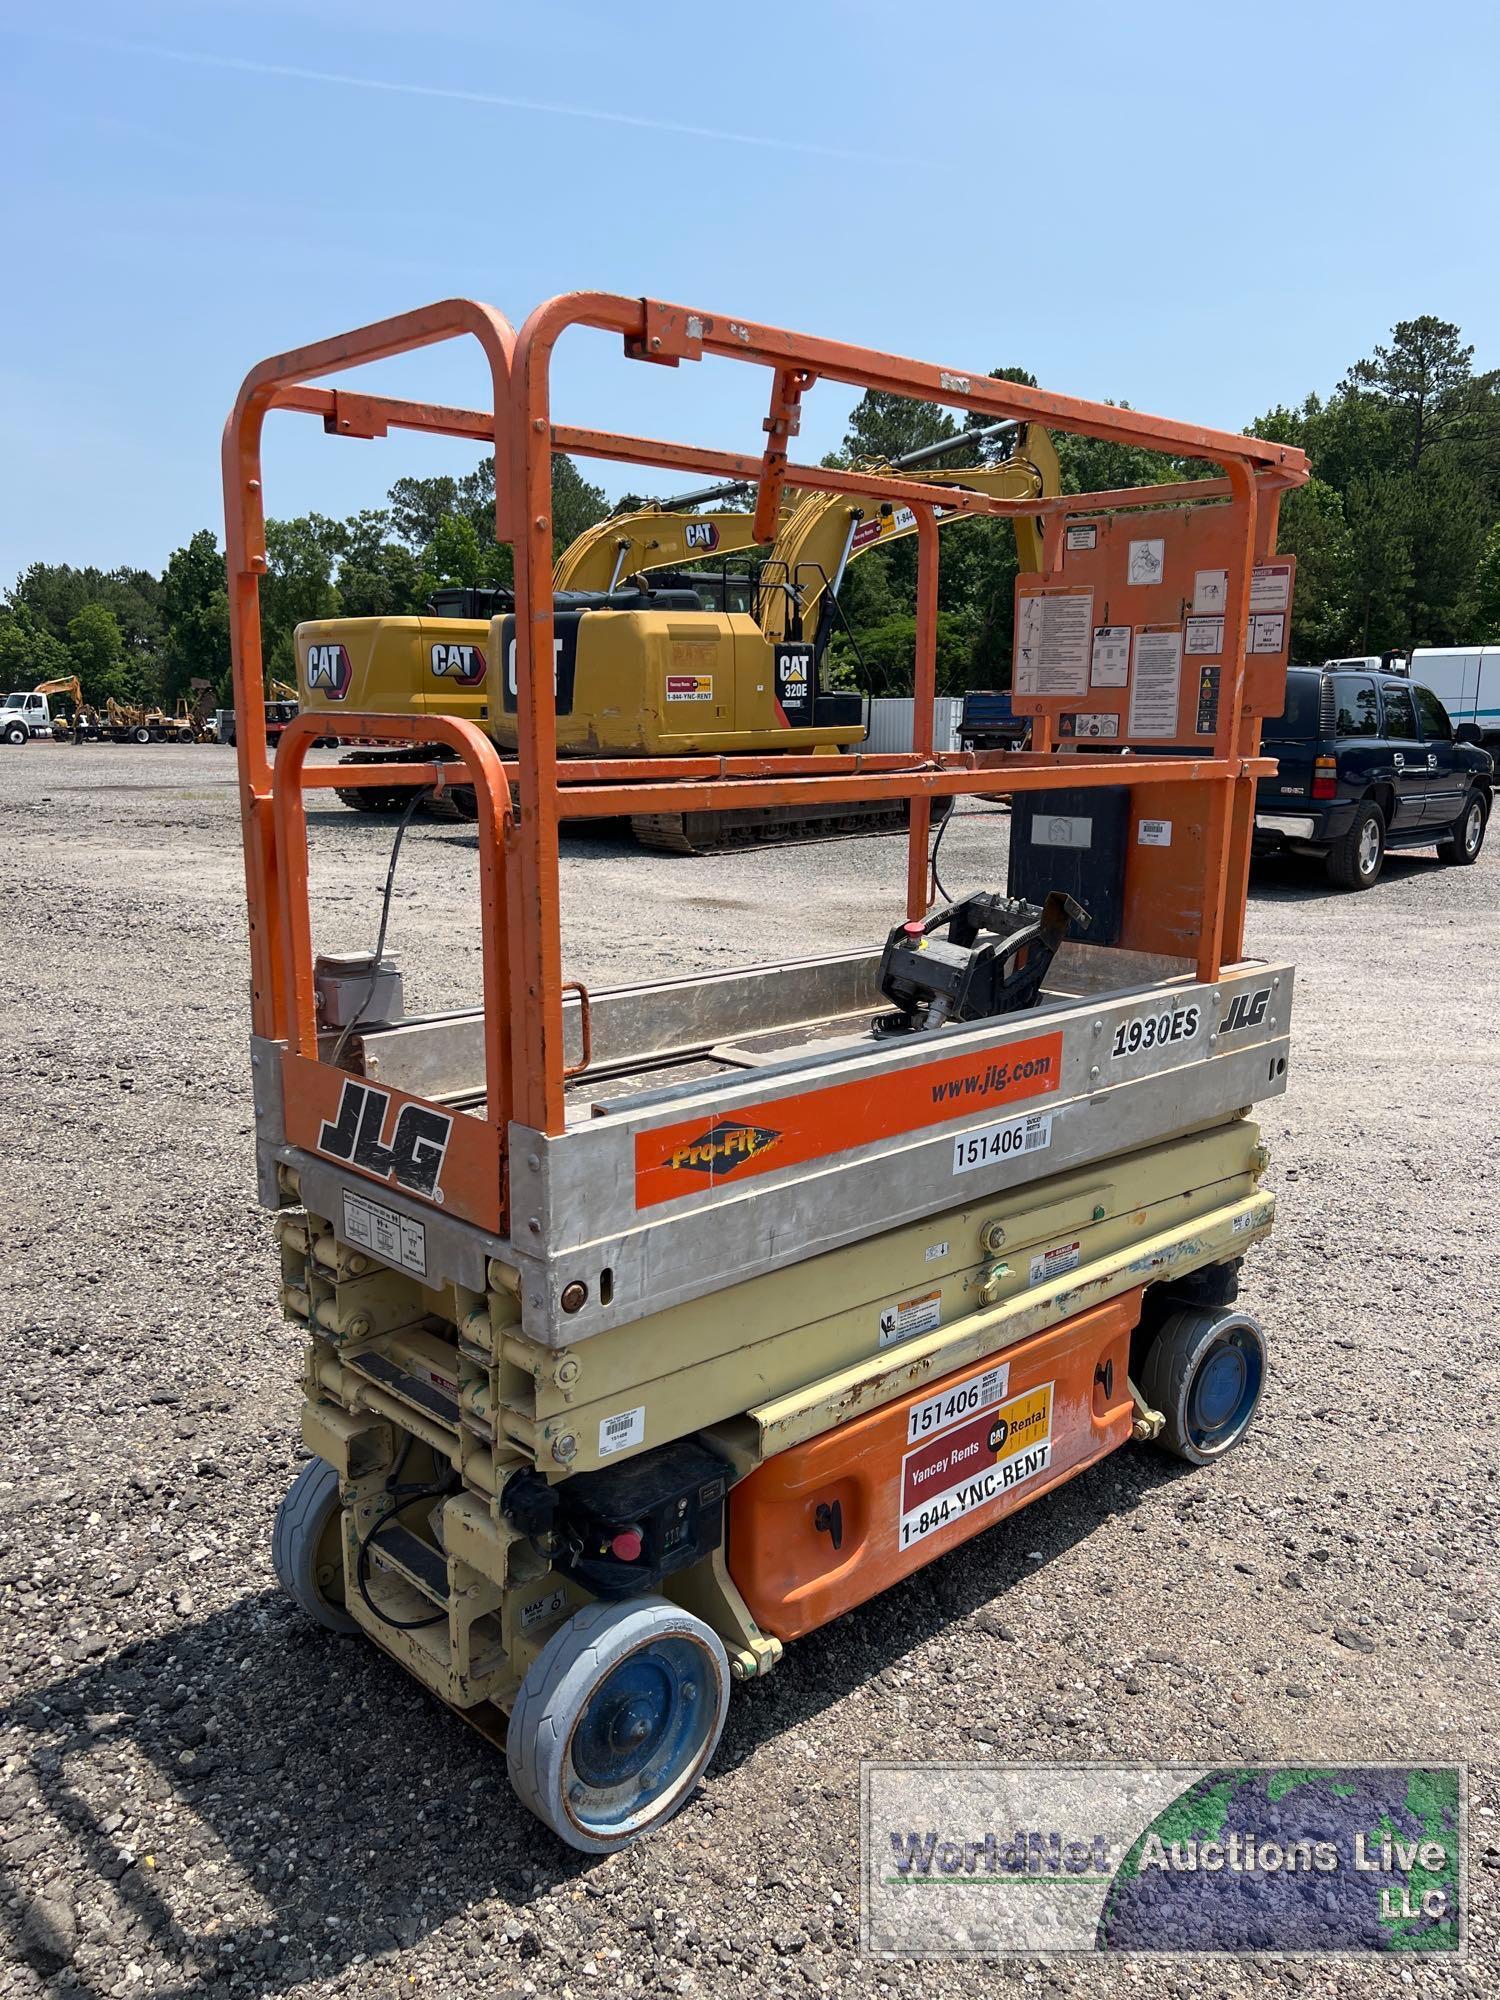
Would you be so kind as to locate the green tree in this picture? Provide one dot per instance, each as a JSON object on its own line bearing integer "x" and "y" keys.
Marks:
{"x": 1422, "y": 379}
{"x": 1379, "y": 515}
{"x": 28, "y": 651}
{"x": 298, "y": 584}
{"x": 195, "y": 611}
{"x": 1445, "y": 534}
{"x": 1314, "y": 530}
{"x": 883, "y": 427}
{"x": 1484, "y": 600}
{"x": 96, "y": 649}
{"x": 378, "y": 577}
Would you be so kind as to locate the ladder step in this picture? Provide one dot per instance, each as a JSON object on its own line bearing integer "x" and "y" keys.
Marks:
{"x": 423, "y": 1566}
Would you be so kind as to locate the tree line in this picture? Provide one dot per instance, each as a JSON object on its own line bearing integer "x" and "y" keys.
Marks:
{"x": 1397, "y": 536}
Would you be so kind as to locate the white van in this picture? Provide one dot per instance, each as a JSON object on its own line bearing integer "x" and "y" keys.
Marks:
{"x": 1466, "y": 680}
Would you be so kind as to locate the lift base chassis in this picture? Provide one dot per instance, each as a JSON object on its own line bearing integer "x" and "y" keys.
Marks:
{"x": 904, "y": 1349}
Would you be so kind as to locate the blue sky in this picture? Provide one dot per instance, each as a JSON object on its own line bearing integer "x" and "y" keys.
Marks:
{"x": 1201, "y": 209}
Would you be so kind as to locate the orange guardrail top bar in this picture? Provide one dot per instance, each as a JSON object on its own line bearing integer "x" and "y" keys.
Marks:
{"x": 519, "y": 876}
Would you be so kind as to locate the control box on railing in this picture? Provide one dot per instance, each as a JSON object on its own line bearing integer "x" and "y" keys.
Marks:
{"x": 1124, "y": 644}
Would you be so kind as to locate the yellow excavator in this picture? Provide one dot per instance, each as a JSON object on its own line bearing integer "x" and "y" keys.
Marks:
{"x": 661, "y": 669}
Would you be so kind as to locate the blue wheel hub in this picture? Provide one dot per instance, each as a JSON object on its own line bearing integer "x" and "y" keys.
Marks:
{"x": 1225, "y": 1389}
{"x": 643, "y": 1728}
{"x": 627, "y": 1721}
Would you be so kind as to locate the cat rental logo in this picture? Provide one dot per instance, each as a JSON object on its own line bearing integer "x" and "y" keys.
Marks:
{"x": 463, "y": 665}
{"x": 330, "y": 671}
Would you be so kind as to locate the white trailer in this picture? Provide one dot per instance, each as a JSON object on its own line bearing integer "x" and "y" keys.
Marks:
{"x": 1466, "y": 680}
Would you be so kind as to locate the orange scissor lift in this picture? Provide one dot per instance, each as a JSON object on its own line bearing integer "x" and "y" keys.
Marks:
{"x": 648, "y": 1329}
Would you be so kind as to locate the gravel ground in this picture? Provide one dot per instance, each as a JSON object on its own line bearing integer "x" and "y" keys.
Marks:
{"x": 200, "y": 1795}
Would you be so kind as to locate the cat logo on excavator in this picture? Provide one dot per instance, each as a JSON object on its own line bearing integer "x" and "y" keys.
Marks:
{"x": 458, "y": 663}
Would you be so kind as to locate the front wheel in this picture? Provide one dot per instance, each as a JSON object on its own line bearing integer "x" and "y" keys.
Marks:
{"x": 1356, "y": 861}
{"x": 307, "y": 1548}
{"x": 1204, "y": 1370}
{"x": 1463, "y": 844}
{"x": 616, "y": 1720}
{"x": 15, "y": 732}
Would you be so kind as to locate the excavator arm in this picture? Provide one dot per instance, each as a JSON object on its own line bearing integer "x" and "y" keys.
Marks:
{"x": 828, "y": 531}
{"x": 652, "y": 539}
{"x": 67, "y": 684}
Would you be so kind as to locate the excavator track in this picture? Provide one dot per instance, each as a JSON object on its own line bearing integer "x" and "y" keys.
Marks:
{"x": 714, "y": 833}
{"x": 370, "y": 799}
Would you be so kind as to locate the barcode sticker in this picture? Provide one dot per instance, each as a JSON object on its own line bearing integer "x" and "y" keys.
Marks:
{"x": 1002, "y": 1142}
{"x": 619, "y": 1432}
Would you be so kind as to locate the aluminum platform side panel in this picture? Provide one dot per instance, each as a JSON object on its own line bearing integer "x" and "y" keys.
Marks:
{"x": 680, "y": 1196}
{"x": 830, "y": 1523}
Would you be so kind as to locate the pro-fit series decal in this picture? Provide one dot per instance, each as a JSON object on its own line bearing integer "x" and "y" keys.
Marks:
{"x": 1246, "y": 1010}
{"x": 681, "y": 1159}
{"x": 973, "y": 1463}
{"x": 411, "y": 1154}
{"x": 464, "y": 665}
{"x": 330, "y": 671}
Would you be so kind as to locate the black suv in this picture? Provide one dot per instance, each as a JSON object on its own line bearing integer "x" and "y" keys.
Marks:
{"x": 1368, "y": 761}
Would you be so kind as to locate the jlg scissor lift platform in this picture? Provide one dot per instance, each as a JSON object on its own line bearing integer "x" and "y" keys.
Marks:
{"x": 649, "y": 1329}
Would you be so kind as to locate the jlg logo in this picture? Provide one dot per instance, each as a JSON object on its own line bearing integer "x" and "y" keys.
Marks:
{"x": 1246, "y": 1010}
{"x": 329, "y": 670}
{"x": 462, "y": 664}
{"x": 414, "y": 1156}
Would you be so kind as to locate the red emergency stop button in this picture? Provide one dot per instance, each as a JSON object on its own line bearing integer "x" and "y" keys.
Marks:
{"x": 627, "y": 1545}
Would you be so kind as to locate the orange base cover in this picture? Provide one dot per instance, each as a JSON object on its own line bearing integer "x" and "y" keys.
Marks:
{"x": 827, "y": 1524}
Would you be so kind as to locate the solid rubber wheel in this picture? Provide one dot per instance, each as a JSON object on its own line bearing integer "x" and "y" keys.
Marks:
{"x": 1204, "y": 1371}
{"x": 1463, "y": 844}
{"x": 1355, "y": 861}
{"x": 306, "y": 1546}
{"x": 616, "y": 1720}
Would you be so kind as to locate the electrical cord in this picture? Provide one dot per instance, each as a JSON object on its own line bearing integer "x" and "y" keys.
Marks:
{"x": 991, "y": 812}
{"x": 410, "y": 1496}
{"x": 427, "y": 792}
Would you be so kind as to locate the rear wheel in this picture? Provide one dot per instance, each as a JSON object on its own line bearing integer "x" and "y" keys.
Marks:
{"x": 307, "y": 1546}
{"x": 1355, "y": 861}
{"x": 616, "y": 1720}
{"x": 1204, "y": 1371}
{"x": 1467, "y": 837}
{"x": 141, "y": 735}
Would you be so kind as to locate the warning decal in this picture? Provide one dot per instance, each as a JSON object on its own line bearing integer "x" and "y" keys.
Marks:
{"x": 686, "y": 1158}
{"x": 975, "y": 1463}
{"x": 910, "y": 1317}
